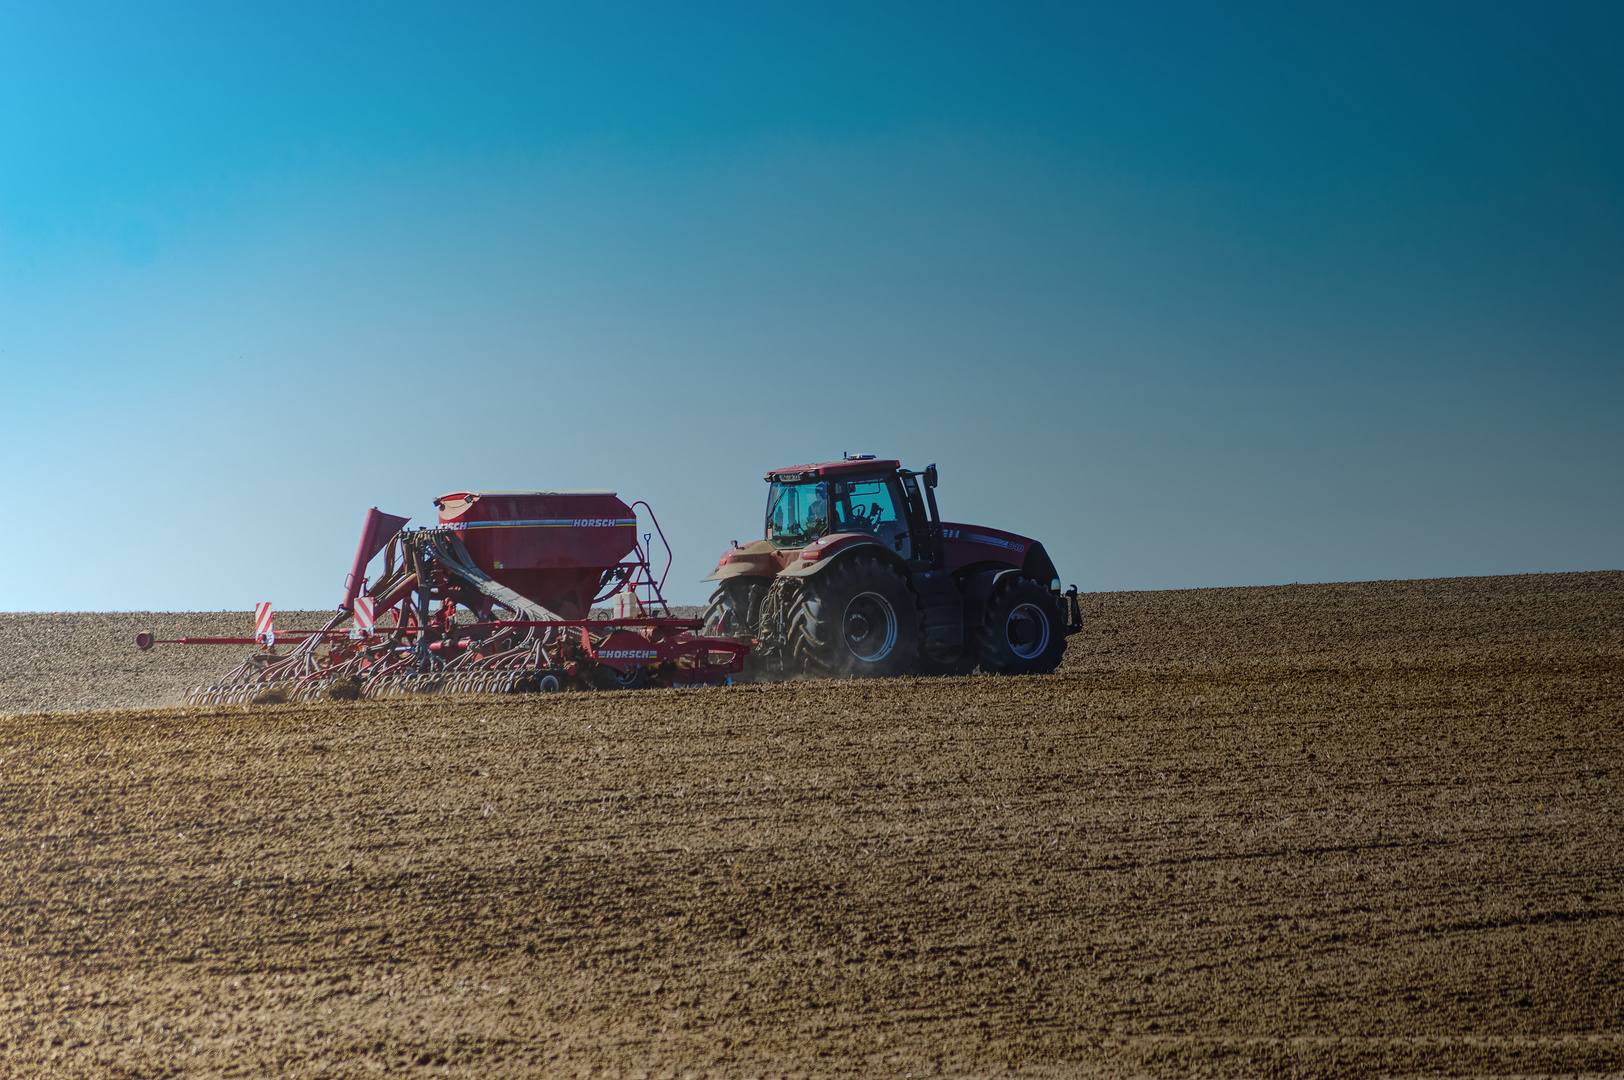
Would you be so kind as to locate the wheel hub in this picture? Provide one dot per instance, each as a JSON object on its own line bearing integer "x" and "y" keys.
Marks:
{"x": 1028, "y": 631}
{"x": 870, "y": 627}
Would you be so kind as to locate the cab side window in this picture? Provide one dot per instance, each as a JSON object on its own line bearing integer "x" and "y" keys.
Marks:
{"x": 869, "y": 506}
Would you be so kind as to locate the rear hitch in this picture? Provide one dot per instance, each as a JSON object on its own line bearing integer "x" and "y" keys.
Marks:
{"x": 1074, "y": 613}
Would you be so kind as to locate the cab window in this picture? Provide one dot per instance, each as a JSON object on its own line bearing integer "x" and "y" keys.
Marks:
{"x": 797, "y": 513}
{"x": 869, "y": 506}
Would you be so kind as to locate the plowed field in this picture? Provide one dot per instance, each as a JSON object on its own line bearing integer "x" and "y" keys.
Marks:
{"x": 1349, "y": 830}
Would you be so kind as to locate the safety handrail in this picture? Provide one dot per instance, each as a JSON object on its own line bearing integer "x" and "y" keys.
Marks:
{"x": 670, "y": 557}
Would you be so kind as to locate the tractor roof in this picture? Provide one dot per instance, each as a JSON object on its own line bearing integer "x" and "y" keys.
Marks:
{"x": 833, "y": 468}
{"x": 472, "y": 495}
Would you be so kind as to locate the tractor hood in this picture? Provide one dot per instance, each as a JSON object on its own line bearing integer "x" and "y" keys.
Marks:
{"x": 759, "y": 559}
{"x": 964, "y": 544}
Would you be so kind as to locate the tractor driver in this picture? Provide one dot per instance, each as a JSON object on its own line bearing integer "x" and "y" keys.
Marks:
{"x": 817, "y": 512}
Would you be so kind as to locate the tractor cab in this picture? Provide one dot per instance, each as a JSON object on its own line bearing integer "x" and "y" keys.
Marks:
{"x": 805, "y": 509}
{"x": 862, "y": 496}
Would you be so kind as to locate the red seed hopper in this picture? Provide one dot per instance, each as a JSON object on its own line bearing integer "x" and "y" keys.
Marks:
{"x": 497, "y": 597}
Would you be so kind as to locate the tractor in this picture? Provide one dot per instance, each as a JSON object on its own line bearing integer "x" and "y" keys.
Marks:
{"x": 859, "y": 577}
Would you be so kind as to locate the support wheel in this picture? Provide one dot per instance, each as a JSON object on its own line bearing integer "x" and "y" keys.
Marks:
{"x": 604, "y": 677}
{"x": 855, "y": 620}
{"x": 1024, "y": 632}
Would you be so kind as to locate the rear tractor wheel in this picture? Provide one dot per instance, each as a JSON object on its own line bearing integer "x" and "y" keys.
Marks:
{"x": 1024, "y": 632}
{"x": 855, "y": 620}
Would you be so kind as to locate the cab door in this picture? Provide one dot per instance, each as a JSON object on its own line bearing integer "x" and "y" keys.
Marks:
{"x": 873, "y": 505}
{"x": 913, "y": 501}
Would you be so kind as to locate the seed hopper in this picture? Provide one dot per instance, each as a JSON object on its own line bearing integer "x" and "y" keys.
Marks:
{"x": 497, "y": 597}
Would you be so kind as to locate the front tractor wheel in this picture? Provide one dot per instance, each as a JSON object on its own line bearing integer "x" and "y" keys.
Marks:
{"x": 1024, "y": 632}
{"x": 856, "y": 620}
{"x": 728, "y": 614}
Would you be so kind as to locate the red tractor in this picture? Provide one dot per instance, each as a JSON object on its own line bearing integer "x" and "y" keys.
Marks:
{"x": 859, "y": 577}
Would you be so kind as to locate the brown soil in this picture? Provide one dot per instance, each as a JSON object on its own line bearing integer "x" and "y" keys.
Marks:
{"x": 1319, "y": 830}
{"x": 61, "y": 660}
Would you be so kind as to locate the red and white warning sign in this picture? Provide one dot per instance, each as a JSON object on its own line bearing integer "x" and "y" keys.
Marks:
{"x": 363, "y": 617}
{"x": 264, "y": 625}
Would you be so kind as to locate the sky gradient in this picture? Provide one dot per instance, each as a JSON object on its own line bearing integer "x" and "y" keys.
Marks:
{"x": 1197, "y": 297}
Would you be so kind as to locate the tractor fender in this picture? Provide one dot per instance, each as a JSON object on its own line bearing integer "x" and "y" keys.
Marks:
{"x": 976, "y": 592}
{"x": 827, "y": 550}
{"x": 1039, "y": 567}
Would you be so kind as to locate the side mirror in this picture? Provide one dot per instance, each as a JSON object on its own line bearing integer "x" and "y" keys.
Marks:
{"x": 930, "y": 475}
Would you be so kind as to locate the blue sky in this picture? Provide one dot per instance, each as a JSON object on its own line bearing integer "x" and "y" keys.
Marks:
{"x": 1195, "y": 294}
